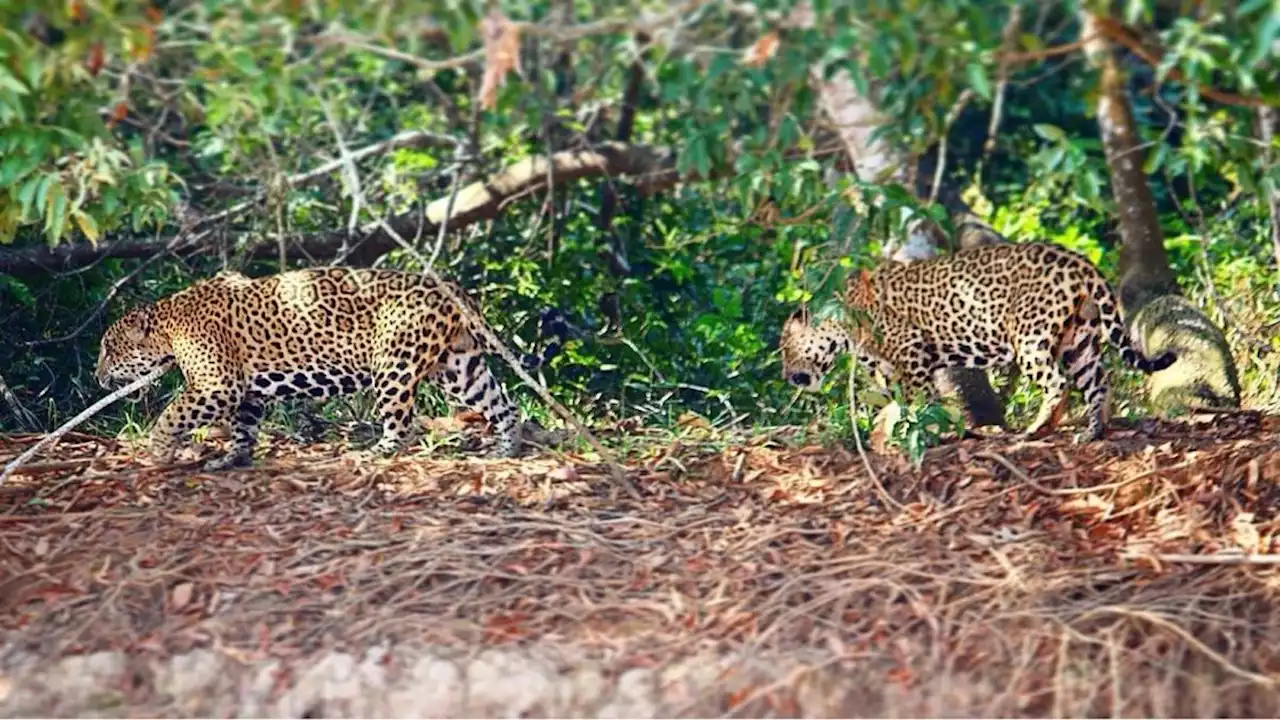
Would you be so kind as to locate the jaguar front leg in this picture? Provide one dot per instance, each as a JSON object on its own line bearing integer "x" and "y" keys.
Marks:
{"x": 192, "y": 408}
{"x": 244, "y": 435}
{"x": 395, "y": 395}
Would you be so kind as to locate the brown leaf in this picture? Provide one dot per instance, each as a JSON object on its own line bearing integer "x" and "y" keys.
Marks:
{"x": 761, "y": 50}
{"x": 564, "y": 473}
{"x": 501, "y": 54}
{"x": 118, "y": 113}
{"x": 182, "y": 595}
{"x": 93, "y": 63}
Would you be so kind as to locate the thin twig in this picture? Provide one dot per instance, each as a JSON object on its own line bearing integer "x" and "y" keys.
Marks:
{"x": 1010, "y": 39}
{"x": 1218, "y": 559}
{"x": 862, "y": 452}
{"x": 23, "y": 415}
{"x": 73, "y": 422}
{"x": 950, "y": 120}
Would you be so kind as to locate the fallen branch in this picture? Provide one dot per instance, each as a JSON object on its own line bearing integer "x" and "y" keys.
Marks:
{"x": 1216, "y": 559}
{"x": 89, "y": 412}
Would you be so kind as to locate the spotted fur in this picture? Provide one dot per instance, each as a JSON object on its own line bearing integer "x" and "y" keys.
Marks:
{"x": 242, "y": 342}
{"x": 1038, "y": 305}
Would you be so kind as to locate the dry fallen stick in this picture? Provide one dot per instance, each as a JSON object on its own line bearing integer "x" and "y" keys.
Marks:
{"x": 89, "y": 412}
{"x": 1216, "y": 559}
{"x": 862, "y": 452}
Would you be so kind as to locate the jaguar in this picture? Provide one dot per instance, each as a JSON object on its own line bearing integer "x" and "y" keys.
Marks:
{"x": 1037, "y": 305}
{"x": 241, "y": 342}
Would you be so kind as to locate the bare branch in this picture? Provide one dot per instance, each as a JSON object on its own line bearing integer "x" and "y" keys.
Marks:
{"x": 1009, "y": 41}
{"x": 23, "y": 415}
{"x": 88, "y": 412}
{"x": 649, "y": 168}
{"x": 950, "y": 120}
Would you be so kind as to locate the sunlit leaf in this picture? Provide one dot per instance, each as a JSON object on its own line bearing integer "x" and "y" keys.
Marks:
{"x": 978, "y": 80}
{"x": 1052, "y": 133}
{"x": 11, "y": 83}
{"x": 55, "y": 212}
{"x": 87, "y": 225}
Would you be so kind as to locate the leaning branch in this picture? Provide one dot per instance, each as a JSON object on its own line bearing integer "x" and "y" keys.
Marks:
{"x": 70, "y": 256}
{"x": 1120, "y": 34}
{"x": 69, "y": 425}
{"x": 649, "y": 168}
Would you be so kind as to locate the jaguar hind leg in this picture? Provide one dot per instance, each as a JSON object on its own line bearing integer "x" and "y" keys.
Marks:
{"x": 1041, "y": 366}
{"x": 1084, "y": 365}
{"x": 465, "y": 378}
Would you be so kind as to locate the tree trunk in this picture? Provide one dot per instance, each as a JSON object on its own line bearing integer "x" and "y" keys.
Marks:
{"x": 1267, "y": 133}
{"x": 855, "y": 118}
{"x": 1158, "y": 315}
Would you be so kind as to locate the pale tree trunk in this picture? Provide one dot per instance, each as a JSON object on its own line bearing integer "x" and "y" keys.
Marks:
{"x": 855, "y": 118}
{"x": 1267, "y": 133}
{"x": 1159, "y": 316}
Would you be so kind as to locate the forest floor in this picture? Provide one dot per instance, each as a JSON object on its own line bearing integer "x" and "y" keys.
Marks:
{"x": 1133, "y": 576}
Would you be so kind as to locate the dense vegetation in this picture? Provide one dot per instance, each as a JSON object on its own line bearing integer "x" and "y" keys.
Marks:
{"x": 143, "y": 146}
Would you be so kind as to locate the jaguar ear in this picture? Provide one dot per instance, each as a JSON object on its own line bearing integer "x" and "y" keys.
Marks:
{"x": 137, "y": 325}
{"x": 798, "y": 321}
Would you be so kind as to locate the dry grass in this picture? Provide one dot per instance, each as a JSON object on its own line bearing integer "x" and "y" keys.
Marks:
{"x": 1017, "y": 579}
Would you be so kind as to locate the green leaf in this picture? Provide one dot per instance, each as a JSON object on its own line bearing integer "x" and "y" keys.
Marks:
{"x": 1249, "y": 7}
{"x": 18, "y": 290}
{"x": 55, "y": 219}
{"x": 1052, "y": 133}
{"x": 87, "y": 224}
{"x": 1154, "y": 160}
{"x": 978, "y": 80}
{"x": 244, "y": 62}
{"x": 34, "y": 70}
{"x": 32, "y": 196}
{"x": 1136, "y": 10}
{"x": 1089, "y": 186}
{"x": 11, "y": 83}
{"x": 1267, "y": 31}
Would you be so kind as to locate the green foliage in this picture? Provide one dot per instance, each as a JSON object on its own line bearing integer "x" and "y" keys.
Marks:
{"x": 62, "y": 168}
{"x": 921, "y": 427}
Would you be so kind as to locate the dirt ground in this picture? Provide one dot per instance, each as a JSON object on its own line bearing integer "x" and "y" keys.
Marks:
{"x": 1134, "y": 576}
